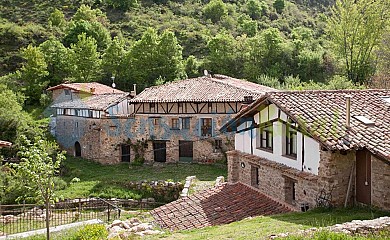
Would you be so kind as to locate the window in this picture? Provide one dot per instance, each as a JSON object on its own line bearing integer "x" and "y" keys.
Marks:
{"x": 266, "y": 137}
{"x": 175, "y": 123}
{"x": 152, "y": 107}
{"x": 67, "y": 91}
{"x": 218, "y": 144}
{"x": 255, "y": 180}
{"x": 156, "y": 121}
{"x": 205, "y": 127}
{"x": 291, "y": 141}
{"x": 185, "y": 123}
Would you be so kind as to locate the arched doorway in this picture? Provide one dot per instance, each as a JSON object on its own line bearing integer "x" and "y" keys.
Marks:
{"x": 77, "y": 149}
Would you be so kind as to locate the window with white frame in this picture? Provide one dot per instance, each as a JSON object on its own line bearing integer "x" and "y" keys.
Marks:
{"x": 291, "y": 140}
{"x": 266, "y": 137}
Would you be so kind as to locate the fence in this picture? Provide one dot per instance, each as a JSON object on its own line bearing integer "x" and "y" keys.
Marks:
{"x": 27, "y": 217}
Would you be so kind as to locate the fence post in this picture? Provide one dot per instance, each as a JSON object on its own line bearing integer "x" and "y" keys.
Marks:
{"x": 108, "y": 205}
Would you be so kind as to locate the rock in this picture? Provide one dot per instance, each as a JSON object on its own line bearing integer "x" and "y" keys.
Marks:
{"x": 134, "y": 220}
{"x": 116, "y": 229}
{"x": 141, "y": 227}
{"x": 125, "y": 225}
{"x": 151, "y": 200}
{"x": 116, "y": 223}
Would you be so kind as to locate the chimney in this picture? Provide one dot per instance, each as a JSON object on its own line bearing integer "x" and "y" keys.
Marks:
{"x": 134, "y": 92}
{"x": 348, "y": 111}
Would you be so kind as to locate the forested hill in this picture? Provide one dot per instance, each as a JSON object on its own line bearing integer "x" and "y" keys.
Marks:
{"x": 252, "y": 39}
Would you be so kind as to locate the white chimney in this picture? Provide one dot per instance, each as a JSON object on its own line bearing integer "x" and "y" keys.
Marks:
{"x": 348, "y": 110}
{"x": 134, "y": 92}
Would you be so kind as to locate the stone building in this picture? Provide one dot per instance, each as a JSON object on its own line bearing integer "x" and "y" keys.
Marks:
{"x": 177, "y": 121}
{"x": 315, "y": 148}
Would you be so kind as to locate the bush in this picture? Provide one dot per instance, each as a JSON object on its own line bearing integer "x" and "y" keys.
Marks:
{"x": 215, "y": 10}
{"x": 59, "y": 184}
{"x": 92, "y": 232}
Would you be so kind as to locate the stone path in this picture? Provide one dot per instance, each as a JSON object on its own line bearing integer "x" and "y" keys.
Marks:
{"x": 218, "y": 205}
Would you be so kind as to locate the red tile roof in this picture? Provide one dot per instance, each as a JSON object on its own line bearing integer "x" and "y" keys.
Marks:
{"x": 92, "y": 88}
{"x": 95, "y": 102}
{"x": 323, "y": 115}
{"x": 218, "y": 88}
{"x": 5, "y": 144}
{"x": 219, "y": 205}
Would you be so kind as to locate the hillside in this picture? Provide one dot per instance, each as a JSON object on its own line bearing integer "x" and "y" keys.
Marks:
{"x": 25, "y": 22}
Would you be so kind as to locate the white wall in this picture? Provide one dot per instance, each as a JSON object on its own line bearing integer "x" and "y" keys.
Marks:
{"x": 305, "y": 144}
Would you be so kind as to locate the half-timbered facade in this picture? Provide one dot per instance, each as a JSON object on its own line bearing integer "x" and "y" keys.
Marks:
{"x": 315, "y": 148}
{"x": 180, "y": 120}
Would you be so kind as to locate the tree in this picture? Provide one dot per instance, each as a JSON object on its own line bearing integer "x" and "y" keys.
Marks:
{"x": 33, "y": 73}
{"x": 113, "y": 62}
{"x": 215, "y": 10}
{"x": 356, "y": 28}
{"x": 57, "y": 58}
{"x": 192, "y": 66}
{"x": 153, "y": 57}
{"x": 123, "y": 5}
{"x": 85, "y": 59}
{"x": 57, "y": 19}
{"x": 256, "y": 8}
{"x": 279, "y": 6}
{"x": 39, "y": 164}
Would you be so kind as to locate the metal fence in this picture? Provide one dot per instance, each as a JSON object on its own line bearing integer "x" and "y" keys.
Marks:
{"x": 27, "y": 217}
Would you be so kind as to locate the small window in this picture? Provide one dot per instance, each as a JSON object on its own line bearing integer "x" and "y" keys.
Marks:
{"x": 291, "y": 141}
{"x": 77, "y": 124}
{"x": 67, "y": 91}
{"x": 156, "y": 121}
{"x": 218, "y": 144}
{"x": 175, "y": 123}
{"x": 266, "y": 137}
{"x": 185, "y": 123}
{"x": 206, "y": 127}
{"x": 152, "y": 107}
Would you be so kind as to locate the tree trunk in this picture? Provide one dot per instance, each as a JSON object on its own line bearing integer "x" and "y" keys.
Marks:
{"x": 47, "y": 219}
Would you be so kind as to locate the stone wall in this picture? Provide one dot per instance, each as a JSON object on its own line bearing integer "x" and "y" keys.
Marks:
{"x": 101, "y": 139}
{"x": 380, "y": 188}
{"x": 278, "y": 180}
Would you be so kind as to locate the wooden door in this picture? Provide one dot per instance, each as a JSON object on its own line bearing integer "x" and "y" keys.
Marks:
{"x": 363, "y": 177}
{"x": 160, "y": 151}
{"x": 186, "y": 151}
{"x": 77, "y": 149}
{"x": 125, "y": 149}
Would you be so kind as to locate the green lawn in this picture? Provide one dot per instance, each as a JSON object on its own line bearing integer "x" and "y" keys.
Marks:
{"x": 262, "y": 227}
{"x": 100, "y": 180}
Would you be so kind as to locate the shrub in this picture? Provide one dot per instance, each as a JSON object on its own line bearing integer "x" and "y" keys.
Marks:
{"x": 215, "y": 10}
{"x": 92, "y": 232}
{"x": 59, "y": 184}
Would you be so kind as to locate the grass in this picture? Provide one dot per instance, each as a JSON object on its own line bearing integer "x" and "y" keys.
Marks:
{"x": 106, "y": 181}
{"x": 263, "y": 227}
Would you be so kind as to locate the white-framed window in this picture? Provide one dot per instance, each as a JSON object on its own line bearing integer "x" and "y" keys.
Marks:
{"x": 291, "y": 141}
{"x": 266, "y": 137}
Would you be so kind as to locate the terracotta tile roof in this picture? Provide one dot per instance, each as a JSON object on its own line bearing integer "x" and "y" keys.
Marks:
{"x": 92, "y": 88}
{"x": 5, "y": 144}
{"x": 219, "y": 205}
{"x": 95, "y": 102}
{"x": 323, "y": 115}
{"x": 218, "y": 88}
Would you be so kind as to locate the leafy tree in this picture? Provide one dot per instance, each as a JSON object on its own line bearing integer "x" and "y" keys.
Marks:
{"x": 256, "y": 8}
{"x": 57, "y": 58}
{"x": 33, "y": 73}
{"x": 154, "y": 57}
{"x": 224, "y": 55}
{"x": 113, "y": 61}
{"x": 91, "y": 29}
{"x": 86, "y": 13}
{"x": 122, "y": 4}
{"x": 265, "y": 55}
{"x": 383, "y": 55}
{"x": 279, "y": 6}
{"x": 40, "y": 163}
{"x": 57, "y": 19}
{"x": 85, "y": 58}
{"x": 215, "y": 10}
{"x": 192, "y": 67}
{"x": 356, "y": 28}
